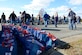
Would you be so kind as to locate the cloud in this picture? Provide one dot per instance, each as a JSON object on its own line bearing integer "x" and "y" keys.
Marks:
{"x": 79, "y": 12}
{"x": 6, "y": 9}
{"x": 75, "y": 2}
{"x": 37, "y": 4}
{"x": 62, "y": 10}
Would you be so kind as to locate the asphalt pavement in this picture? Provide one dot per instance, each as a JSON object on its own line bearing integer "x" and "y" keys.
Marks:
{"x": 62, "y": 31}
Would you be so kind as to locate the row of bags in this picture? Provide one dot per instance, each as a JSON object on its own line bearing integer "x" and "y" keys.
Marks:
{"x": 34, "y": 39}
{"x": 8, "y": 44}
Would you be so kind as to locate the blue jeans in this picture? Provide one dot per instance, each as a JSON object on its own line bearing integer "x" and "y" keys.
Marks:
{"x": 72, "y": 24}
{"x": 55, "y": 22}
{"x": 78, "y": 21}
{"x": 12, "y": 21}
{"x": 28, "y": 21}
{"x": 38, "y": 22}
{"x": 45, "y": 23}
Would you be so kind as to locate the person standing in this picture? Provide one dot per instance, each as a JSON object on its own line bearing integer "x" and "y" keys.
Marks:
{"x": 13, "y": 17}
{"x": 19, "y": 18}
{"x": 27, "y": 18}
{"x": 46, "y": 18}
{"x": 32, "y": 19}
{"x": 78, "y": 19}
{"x": 74, "y": 23}
{"x": 23, "y": 17}
{"x": 38, "y": 19}
{"x": 64, "y": 19}
{"x": 72, "y": 19}
{"x": 3, "y": 18}
{"x": 55, "y": 19}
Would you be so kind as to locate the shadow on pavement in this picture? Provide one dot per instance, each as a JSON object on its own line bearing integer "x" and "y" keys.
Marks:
{"x": 51, "y": 29}
{"x": 62, "y": 45}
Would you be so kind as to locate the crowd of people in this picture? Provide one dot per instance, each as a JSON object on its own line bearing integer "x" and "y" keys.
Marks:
{"x": 13, "y": 18}
{"x": 73, "y": 19}
{"x": 26, "y": 18}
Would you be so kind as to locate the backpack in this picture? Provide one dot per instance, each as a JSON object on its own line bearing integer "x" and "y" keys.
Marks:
{"x": 28, "y": 16}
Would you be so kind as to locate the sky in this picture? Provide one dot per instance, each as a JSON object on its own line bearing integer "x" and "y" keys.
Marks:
{"x": 34, "y": 6}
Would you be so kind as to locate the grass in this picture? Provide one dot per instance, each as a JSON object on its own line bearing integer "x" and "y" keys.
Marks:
{"x": 76, "y": 48}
